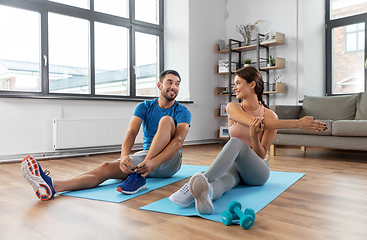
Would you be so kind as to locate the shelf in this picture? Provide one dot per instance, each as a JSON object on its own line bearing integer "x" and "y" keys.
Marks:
{"x": 279, "y": 88}
{"x": 217, "y": 134}
{"x": 279, "y": 40}
{"x": 219, "y": 91}
{"x": 217, "y": 114}
{"x": 279, "y": 64}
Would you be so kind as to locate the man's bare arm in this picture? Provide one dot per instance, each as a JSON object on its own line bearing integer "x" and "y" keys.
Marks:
{"x": 127, "y": 144}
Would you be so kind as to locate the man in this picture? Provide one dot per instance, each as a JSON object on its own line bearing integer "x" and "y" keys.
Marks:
{"x": 165, "y": 126}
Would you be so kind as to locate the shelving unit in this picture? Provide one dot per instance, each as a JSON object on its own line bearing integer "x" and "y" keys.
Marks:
{"x": 279, "y": 64}
{"x": 221, "y": 138}
{"x": 278, "y": 40}
{"x": 218, "y": 115}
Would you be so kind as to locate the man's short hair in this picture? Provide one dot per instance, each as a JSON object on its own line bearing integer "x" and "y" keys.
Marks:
{"x": 164, "y": 73}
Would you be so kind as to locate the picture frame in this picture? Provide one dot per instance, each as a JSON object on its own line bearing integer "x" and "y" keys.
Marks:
{"x": 223, "y": 66}
{"x": 268, "y": 36}
{"x": 223, "y": 132}
{"x": 223, "y": 111}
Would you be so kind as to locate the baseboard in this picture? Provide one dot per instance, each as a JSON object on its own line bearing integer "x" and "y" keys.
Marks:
{"x": 86, "y": 151}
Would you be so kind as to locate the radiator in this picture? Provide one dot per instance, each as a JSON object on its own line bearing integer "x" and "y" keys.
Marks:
{"x": 83, "y": 133}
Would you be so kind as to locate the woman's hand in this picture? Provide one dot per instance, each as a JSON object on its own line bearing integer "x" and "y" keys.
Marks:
{"x": 310, "y": 124}
{"x": 256, "y": 126}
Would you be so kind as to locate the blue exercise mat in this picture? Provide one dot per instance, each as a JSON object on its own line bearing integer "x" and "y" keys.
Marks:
{"x": 249, "y": 197}
{"x": 107, "y": 190}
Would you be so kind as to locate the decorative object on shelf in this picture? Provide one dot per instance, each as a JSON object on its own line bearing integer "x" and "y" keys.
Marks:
{"x": 268, "y": 36}
{"x": 222, "y": 45}
{"x": 223, "y": 132}
{"x": 247, "y": 62}
{"x": 223, "y": 111}
{"x": 224, "y": 66}
{"x": 275, "y": 82}
{"x": 271, "y": 61}
{"x": 247, "y": 30}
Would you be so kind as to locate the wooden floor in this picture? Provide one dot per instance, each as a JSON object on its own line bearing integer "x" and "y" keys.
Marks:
{"x": 329, "y": 202}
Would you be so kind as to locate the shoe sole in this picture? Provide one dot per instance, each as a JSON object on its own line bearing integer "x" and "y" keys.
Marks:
{"x": 200, "y": 190}
{"x": 131, "y": 192}
{"x": 30, "y": 171}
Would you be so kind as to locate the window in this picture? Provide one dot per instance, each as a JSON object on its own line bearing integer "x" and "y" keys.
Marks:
{"x": 114, "y": 7}
{"x": 75, "y": 3}
{"x": 345, "y": 46}
{"x": 81, "y": 49}
{"x": 147, "y": 11}
{"x": 111, "y": 63}
{"x": 19, "y": 50}
{"x": 146, "y": 64}
{"x": 354, "y": 37}
{"x": 68, "y": 54}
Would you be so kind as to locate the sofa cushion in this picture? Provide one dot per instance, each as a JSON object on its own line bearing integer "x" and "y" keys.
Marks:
{"x": 286, "y": 112}
{"x": 333, "y": 108}
{"x": 327, "y": 132}
{"x": 361, "y": 113}
{"x": 350, "y": 128}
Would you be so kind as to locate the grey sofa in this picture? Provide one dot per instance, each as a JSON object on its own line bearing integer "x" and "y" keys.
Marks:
{"x": 345, "y": 117}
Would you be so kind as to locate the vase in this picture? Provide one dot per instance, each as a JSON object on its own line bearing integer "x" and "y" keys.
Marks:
{"x": 247, "y": 38}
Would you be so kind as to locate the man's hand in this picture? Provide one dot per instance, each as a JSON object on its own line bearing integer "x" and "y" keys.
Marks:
{"x": 310, "y": 124}
{"x": 256, "y": 126}
{"x": 146, "y": 167}
{"x": 126, "y": 165}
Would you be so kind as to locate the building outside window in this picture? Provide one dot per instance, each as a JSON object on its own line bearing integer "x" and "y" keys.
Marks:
{"x": 345, "y": 39}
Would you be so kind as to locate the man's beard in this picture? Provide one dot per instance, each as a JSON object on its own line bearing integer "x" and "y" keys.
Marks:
{"x": 168, "y": 96}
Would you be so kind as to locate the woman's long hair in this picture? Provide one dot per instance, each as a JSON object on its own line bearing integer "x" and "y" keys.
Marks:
{"x": 252, "y": 74}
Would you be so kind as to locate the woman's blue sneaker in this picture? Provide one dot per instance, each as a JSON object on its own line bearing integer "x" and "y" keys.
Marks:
{"x": 40, "y": 181}
{"x": 133, "y": 184}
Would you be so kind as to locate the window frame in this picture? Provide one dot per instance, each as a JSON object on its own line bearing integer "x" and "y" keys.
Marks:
{"x": 43, "y": 7}
{"x": 329, "y": 26}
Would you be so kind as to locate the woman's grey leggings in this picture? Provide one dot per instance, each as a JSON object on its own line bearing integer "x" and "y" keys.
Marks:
{"x": 236, "y": 161}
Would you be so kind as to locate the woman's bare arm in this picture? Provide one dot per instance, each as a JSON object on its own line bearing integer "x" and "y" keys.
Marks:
{"x": 236, "y": 113}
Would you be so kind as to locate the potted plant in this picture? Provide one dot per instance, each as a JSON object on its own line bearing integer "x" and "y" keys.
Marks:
{"x": 247, "y": 62}
{"x": 271, "y": 61}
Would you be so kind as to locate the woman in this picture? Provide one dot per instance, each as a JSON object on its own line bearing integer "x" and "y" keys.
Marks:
{"x": 252, "y": 127}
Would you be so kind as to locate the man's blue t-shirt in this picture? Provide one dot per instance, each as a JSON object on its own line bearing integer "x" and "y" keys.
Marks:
{"x": 150, "y": 112}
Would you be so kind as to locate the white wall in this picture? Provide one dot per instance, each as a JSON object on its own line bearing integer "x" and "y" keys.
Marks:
{"x": 192, "y": 30}
{"x": 312, "y": 22}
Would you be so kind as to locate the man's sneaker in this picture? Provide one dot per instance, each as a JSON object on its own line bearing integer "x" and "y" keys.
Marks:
{"x": 133, "y": 184}
{"x": 182, "y": 197}
{"x": 202, "y": 192}
{"x": 40, "y": 181}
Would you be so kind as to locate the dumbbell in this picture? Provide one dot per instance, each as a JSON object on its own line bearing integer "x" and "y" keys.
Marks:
{"x": 228, "y": 217}
{"x": 247, "y": 218}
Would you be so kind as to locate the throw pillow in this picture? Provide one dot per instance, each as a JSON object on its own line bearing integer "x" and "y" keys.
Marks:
{"x": 330, "y": 108}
